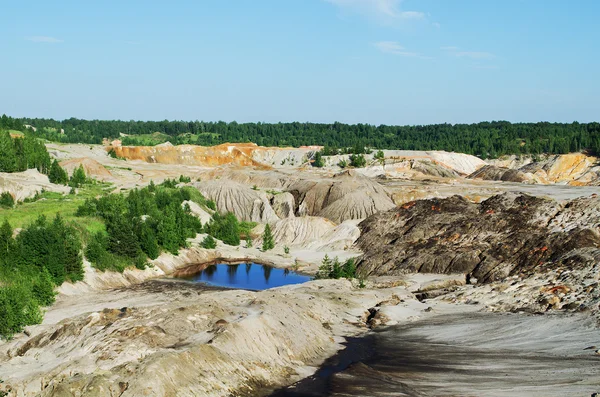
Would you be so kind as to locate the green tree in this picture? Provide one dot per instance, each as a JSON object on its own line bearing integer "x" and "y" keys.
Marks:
{"x": 78, "y": 178}
{"x": 6, "y": 240}
{"x": 8, "y": 159}
{"x": 267, "y": 237}
{"x": 57, "y": 174}
{"x": 318, "y": 160}
{"x": 6, "y": 200}
{"x": 209, "y": 242}
{"x": 357, "y": 160}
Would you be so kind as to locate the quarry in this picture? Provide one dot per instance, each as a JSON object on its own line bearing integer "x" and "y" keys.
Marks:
{"x": 453, "y": 254}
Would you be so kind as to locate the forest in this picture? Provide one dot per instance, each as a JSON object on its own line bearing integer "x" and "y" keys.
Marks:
{"x": 485, "y": 139}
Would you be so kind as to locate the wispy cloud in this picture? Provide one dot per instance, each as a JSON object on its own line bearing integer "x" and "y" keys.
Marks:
{"x": 392, "y": 47}
{"x": 43, "y": 39}
{"x": 457, "y": 52}
{"x": 383, "y": 10}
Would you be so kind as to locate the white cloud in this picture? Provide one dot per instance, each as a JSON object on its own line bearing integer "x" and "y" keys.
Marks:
{"x": 43, "y": 39}
{"x": 449, "y": 48}
{"x": 392, "y": 47}
{"x": 436, "y": 25}
{"x": 384, "y": 10}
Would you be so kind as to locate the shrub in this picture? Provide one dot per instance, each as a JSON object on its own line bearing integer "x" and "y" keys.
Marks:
{"x": 342, "y": 163}
{"x": 357, "y": 160}
{"x": 318, "y": 160}
{"x": 6, "y": 200}
{"x": 184, "y": 179}
{"x": 209, "y": 242}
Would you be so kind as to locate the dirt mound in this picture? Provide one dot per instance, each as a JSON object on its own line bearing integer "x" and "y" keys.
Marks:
{"x": 247, "y": 204}
{"x": 505, "y": 235}
{"x": 348, "y": 195}
{"x": 92, "y": 168}
{"x": 494, "y": 173}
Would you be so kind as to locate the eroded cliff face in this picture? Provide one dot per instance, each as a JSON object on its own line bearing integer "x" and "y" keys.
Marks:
{"x": 240, "y": 154}
{"x": 505, "y": 235}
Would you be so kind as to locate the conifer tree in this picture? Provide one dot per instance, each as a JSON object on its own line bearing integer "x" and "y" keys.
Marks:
{"x": 268, "y": 242}
{"x": 57, "y": 174}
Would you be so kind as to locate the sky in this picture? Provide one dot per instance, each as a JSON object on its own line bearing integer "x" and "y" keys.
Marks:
{"x": 399, "y": 62}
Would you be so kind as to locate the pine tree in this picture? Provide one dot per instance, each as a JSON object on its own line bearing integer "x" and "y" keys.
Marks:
{"x": 268, "y": 242}
{"x": 6, "y": 239}
{"x": 148, "y": 241}
{"x": 318, "y": 161}
{"x": 78, "y": 178}
{"x": 57, "y": 174}
{"x": 8, "y": 159}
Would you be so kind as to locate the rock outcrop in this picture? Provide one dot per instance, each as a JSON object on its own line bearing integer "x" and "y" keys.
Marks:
{"x": 505, "y": 235}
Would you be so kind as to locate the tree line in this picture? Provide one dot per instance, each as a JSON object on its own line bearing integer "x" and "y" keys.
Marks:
{"x": 485, "y": 139}
{"x": 19, "y": 154}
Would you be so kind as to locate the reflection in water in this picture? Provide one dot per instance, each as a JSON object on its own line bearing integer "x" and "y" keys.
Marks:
{"x": 257, "y": 277}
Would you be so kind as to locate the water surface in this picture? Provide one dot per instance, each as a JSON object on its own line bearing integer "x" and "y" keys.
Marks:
{"x": 251, "y": 276}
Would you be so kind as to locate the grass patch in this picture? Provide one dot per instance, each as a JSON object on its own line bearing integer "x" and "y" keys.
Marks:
{"x": 51, "y": 203}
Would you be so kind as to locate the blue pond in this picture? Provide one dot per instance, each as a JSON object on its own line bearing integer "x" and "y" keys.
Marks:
{"x": 250, "y": 276}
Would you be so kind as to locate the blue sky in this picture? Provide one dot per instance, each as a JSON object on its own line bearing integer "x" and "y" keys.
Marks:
{"x": 355, "y": 61}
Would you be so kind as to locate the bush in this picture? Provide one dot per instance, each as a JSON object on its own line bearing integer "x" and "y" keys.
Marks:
{"x": 184, "y": 179}
{"x": 224, "y": 227}
{"x": 6, "y": 200}
{"x": 209, "y": 242}
{"x": 357, "y": 160}
{"x": 342, "y": 163}
{"x": 318, "y": 160}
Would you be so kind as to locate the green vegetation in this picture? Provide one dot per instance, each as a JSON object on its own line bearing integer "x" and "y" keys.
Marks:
{"x": 43, "y": 255}
{"x": 486, "y": 139}
{"x": 139, "y": 225}
{"x": 318, "y": 160}
{"x": 225, "y": 228}
{"x": 334, "y": 269}
{"x": 267, "y": 237}
{"x": 57, "y": 174}
{"x": 357, "y": 160}
{"x": 78, "y": 178}
{"x": 6, "y": 200}
{"x": 209, "y": 242}
{"x": 379, "y": 157}
{"x": 20, "y": 154}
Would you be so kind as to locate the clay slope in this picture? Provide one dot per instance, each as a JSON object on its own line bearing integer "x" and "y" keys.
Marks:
{"x": 240, "y": 154}
{"x": 347, "y": 195}
{"x": 315, "y": 233}
{"x": 92, "y": 168}
{"x": 247, "y": 204}
{"x": 505, "y": 235}
{"x": 22, "y": 185}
